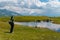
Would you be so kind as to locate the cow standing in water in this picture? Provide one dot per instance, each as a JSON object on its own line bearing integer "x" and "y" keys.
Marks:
{"x": 11, "y": 22}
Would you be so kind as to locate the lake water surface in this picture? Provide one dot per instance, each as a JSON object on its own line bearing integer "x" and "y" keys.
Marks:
{"x": 48, "y": 25}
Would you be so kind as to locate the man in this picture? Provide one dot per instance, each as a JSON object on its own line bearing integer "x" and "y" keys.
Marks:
{"x": 11, "y": 22}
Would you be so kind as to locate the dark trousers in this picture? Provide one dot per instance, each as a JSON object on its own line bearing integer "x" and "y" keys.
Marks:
{"x": 12, "y": 27}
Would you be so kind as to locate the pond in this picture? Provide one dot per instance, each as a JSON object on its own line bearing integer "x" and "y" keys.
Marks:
{"x": 48, "y": 25}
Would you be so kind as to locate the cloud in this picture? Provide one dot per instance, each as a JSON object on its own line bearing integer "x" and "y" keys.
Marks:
{"x": 50, "y": 7}
{"x": 54, "y": 3}
{"x": 38, "y": 3}
{"x": 8, "y": 0}
{"x": 53, "y": 7}
{"x": 35, "y": 6}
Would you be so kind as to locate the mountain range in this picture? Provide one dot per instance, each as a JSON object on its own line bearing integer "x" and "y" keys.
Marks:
{"x": 4, "y": 12}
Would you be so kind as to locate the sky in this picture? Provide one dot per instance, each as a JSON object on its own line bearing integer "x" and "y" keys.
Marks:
{"x": 49, "y": 7}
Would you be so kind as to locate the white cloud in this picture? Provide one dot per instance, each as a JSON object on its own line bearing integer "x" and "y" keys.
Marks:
{"x": 30, "y": 3}
{"x": 38, "y": 3}
{"x": 54, "y": 0}
{"x": 52, "y": 5}
{"x": 9, "y": 0}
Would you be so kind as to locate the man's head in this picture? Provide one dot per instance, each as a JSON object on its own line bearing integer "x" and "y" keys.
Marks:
{"x": 11, "y": 17}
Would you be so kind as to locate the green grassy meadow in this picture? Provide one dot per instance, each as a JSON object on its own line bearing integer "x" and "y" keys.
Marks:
{"x": 31, "y": 19}
{"x": 24, "y": 18}
{"x": 27, "y": 33}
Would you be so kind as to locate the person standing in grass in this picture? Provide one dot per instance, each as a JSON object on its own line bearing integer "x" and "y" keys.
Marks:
{"x": 11, "y": 22}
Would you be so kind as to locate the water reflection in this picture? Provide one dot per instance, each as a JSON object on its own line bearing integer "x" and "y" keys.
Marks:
{"x": 49, "y": 25}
